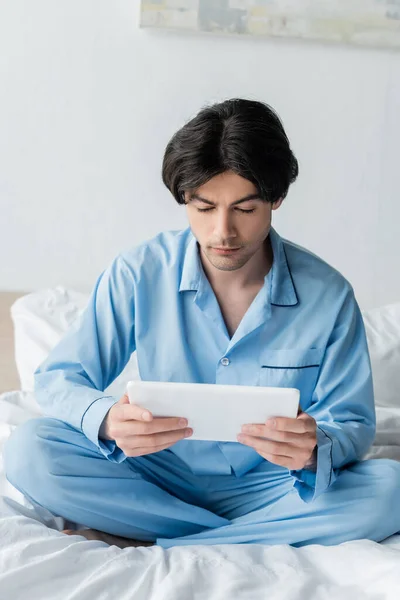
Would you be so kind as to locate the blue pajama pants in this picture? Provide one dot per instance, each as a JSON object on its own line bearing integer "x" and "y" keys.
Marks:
{"x": 157, "y": 498}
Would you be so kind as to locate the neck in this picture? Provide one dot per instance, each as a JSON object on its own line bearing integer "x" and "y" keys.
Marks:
{"x": 252, "y": 273}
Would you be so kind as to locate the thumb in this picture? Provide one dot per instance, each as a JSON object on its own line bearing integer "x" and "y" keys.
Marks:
{"x": 124, "y": 399}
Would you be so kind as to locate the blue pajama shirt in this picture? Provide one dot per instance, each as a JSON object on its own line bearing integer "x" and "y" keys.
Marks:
{"x": 304, "y": 329}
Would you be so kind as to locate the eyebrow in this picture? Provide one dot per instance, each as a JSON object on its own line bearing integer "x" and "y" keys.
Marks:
{"x": 245, "y": 199}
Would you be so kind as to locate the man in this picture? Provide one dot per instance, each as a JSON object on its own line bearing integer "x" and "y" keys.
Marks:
{"x": 228, "y": 302}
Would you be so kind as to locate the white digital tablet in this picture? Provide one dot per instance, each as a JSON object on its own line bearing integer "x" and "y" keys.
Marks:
{"x": 214, "y": 412}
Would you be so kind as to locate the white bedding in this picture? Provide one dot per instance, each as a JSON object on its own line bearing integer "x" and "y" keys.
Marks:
{"x": 39, "y": 563}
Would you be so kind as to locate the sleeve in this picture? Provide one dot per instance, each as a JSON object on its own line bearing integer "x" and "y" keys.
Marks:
{"x": 70, "y": 383}
{"x": 342, "y": 403}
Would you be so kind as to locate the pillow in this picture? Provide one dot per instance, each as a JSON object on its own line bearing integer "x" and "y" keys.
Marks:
{"x": 40, "y": 321}
{"x": 42, "y": 318}
{"x": 382, "y": 327}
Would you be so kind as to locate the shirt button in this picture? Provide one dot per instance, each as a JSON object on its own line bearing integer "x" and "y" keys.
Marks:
{"x": 225, "y": 361}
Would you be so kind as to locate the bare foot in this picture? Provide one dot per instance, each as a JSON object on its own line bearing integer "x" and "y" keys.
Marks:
{"x": 112, "y": 540}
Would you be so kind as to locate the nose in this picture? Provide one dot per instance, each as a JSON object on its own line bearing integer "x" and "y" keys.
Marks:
{"x": 224, "y": 226}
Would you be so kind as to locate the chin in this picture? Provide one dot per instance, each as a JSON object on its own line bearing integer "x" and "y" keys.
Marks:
{"x": 226, "y": 264}
{"x": 228, "y": 267}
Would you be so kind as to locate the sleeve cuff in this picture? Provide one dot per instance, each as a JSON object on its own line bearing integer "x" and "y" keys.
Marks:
{"x": 311, "y": 484}
{"x": 91, "y": 423}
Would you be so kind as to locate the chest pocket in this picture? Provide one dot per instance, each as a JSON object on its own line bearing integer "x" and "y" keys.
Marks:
{"x": 293, "y": 367}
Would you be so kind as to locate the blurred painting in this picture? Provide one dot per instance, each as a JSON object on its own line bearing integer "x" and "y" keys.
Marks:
{"x": 364, "y": 22}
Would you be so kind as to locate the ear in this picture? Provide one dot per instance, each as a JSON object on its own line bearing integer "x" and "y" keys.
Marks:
{"x": 277, "y": 204}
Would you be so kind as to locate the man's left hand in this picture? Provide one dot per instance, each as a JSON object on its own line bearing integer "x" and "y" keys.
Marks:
{"x": 289, "y": 443}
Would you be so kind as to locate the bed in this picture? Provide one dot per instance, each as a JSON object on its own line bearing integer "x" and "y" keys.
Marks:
{"x": 39, "y": 562}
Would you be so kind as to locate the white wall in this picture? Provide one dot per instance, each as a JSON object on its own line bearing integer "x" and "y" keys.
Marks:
{"x": 88, "y": 102}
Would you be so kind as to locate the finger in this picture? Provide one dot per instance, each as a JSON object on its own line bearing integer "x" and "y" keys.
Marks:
{"x": 280, "y": 454}
{"x": 132, "y": 412}
{"x": 267, "y": 447}
{"x": 261, "y": 430}
{"x": 144, "y": 451}
{"x": 157, "y": 425}
{"x": 303, "y": 424}
{"x": 156, "y": 439}
{"x": 304, "y": 415}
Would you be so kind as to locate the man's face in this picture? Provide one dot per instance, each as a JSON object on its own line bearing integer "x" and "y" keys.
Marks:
{"x": 229, "y": 220}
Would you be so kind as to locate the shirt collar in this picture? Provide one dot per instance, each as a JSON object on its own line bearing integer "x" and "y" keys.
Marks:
{"x": 192, "y": 269}
{"x": 283, "y": 292}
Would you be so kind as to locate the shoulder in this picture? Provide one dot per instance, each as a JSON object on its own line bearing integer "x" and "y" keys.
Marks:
{"x": 166, "y": 249}
{"x": 310, "y": 273}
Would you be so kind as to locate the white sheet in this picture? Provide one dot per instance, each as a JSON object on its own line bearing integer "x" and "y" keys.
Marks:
{"x": 39, "y": 563}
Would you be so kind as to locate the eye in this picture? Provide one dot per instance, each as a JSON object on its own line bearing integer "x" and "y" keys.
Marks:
{"x": 205, "y": 209}
{"x": 249, "y": 211}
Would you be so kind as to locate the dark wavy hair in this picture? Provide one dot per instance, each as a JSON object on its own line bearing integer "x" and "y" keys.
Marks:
{"x": 243, "y": 136}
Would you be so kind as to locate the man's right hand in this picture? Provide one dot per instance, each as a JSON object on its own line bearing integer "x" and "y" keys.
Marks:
{"x": 137, "y": 432}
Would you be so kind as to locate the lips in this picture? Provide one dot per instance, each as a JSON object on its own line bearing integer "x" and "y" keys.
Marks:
{"x": 225, "y": 250}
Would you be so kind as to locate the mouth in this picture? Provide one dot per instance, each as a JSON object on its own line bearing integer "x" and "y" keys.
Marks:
{"x": 225, "y": 251}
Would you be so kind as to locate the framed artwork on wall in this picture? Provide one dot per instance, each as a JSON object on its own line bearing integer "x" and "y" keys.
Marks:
{"x": 363, "y": 22}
